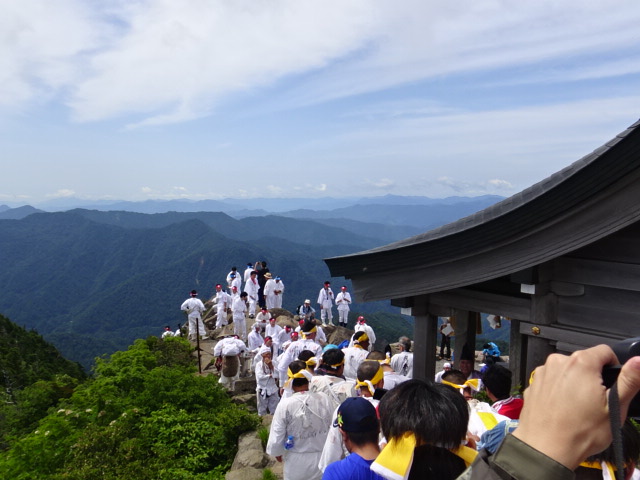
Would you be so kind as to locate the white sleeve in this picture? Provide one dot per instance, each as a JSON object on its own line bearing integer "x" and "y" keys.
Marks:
{"x": 278, "y": 431}
{"x": 334, "y": 449}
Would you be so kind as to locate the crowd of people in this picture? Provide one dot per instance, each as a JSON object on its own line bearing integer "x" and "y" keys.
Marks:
{"x": 353, "y": 412}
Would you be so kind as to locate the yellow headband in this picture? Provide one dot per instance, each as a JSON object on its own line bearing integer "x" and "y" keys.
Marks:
{"x": 474, "y": 384}
{"x": 304, "y": 334}
{"x": 301, "y": 374}
{"x": 370, "y": 384}
{"x": 363, "y": 338}
{"x": 337, "y": 365}
{"x": 396, "y": 458}
{"x": 312, "y": 362}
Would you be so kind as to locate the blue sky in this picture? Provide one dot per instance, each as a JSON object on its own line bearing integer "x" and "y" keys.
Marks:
{"x": 163, "y": 99}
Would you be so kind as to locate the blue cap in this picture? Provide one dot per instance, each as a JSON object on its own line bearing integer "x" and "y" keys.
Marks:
{"x": 355, "y": 415}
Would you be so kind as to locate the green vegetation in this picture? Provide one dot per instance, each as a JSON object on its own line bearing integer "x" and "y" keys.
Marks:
{"x": 144, "y": 415}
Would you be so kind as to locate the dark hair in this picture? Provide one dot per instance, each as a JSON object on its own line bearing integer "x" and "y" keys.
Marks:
{"x": 435, "y": 462}
{"x": 497, "y": 379}
{"x": 295, "y": 367}
{"x": 365, "y": 438}
{"x": 305, "y": 355}
{"x": 333, "y": 356}
{"x": 367, "y": 370}
{"x": 454, "y": 376}
{"x": 435, "y": 413}
{"x": 243, "y": 294}
{"x": 358, "y": 335}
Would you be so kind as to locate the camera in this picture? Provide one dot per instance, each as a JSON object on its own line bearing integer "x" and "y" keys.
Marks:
{"x": 624, "y": 351}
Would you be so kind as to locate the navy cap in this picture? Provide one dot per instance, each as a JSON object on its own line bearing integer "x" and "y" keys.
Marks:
{"x": 355, "y": 415}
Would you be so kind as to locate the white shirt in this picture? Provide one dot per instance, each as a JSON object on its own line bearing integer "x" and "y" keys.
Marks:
{"x": 353, "y": 357}
{"x": 325, "y": 297}
{"x": 343, "y": 300}
{"x": 402, "y": 363}
{"x": 238, "y": 306}
{"x": 193, "y": 306}
{"x": 304, "y": 415}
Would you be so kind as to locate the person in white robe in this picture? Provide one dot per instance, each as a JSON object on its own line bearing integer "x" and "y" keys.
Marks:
{"x": 267, "y": 396}
{"x": 343, "y": 301}
{"x": 299, "y": 427}
{"x": 194, "y": 308}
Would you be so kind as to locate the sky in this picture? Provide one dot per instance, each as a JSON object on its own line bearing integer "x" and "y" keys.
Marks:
{"x": 212, "y": 99}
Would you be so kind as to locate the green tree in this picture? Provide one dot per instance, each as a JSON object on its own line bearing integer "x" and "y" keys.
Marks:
{"x": 145, "y": 415}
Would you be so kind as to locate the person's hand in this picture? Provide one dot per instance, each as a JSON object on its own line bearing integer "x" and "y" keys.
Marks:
{"x": 566, "y": 412}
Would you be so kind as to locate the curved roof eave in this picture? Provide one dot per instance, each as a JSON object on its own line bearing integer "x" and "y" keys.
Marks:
{"x": 509, "y": 220}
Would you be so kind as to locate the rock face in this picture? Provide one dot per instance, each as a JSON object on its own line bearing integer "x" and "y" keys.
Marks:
{"x": 251, "y": 459}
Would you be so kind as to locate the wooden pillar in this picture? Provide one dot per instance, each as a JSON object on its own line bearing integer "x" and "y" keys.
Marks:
{"x": 544, "y": 311}
{"x": 517, "y": 353}
{"x": 465, "y": 332}
{"x": 425, "y": 338}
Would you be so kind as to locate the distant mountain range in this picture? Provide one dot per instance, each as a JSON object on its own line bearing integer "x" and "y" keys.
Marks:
{"x": 92, "y": 281}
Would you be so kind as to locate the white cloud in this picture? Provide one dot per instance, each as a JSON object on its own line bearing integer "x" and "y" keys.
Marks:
{"x": 161, "y": 61}
{"x": 62, "y": 193}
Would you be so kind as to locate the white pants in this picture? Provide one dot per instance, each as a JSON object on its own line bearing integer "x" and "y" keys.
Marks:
{"x": 343, "y": 315}
{"x": 252, "y": 306}
{"x": 192, "y": 327}
{"x": 271, "y": 300}
{"x": 267, "y": 404}
{"x": 240, "y": 326}
{"x": 326, "y": 312}
{"x": 301, "y": 466}
{"x": 221, "y": 317}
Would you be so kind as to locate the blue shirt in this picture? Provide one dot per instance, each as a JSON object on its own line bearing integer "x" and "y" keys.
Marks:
{"x": 354, "y": 467}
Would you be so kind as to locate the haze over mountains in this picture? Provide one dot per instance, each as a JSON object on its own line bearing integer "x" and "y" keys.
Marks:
{"x": 93, "y": 280}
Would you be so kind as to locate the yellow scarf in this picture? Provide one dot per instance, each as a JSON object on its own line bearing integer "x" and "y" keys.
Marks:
{"x": 395, "y": 459}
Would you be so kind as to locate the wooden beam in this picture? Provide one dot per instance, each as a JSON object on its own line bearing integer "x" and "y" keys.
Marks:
{"x": 465, "y": 333}
{"x": 474, "y": 301}
{"x": 517, "y": 353}
{"x": 598, "y": 273}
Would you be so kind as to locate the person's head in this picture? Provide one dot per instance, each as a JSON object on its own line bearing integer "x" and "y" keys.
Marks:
{"x": 343, "y": 288}
{"x": 361, "y": 320}
{"x": 382, "y": 358}
{"x": 307, "y": 302}
{"x": 167, "y": 328}
{"x": 256, "y": 327}
{"x": 267, "y": 276}
{"x": 457, "y": 377}
{"x": 263, "y": 309}
{"x": 362, "y": 339}
{"x": 244, "y": 295}
{"x": 233, "y": 275}
{"x": 327, "y": 285}
{"x": 309, "y": 329}
{"x": 218, "y": 287}
{"x": 466, "y": 360}
{"x": 265, "y": 353}
{"x": 277, "y": 279}
{"x": 497, "y": 381}
{"x": 405, "y": 344}
{"x": 288, "y": 328}
{"x": 272, "y": 321}
{"x": 437, "y": 416}
{"x": 294, "y": 336}
{"x": 308, "y": 357}
{"x": 268, "y": 341}
{"x": 253, "y": 273}
{"x": 369, "y": 378}
{"x": 194, "y": 293}
{"x": 630, "y": 453}
{"x": 358, "y": 423}
{"x": 264, "y": 264}
{"x": 298, "y": 375}
{"x": 446, "y": 367}
{"x": 333, "y": 361}
{"x": 234, "y": 289}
